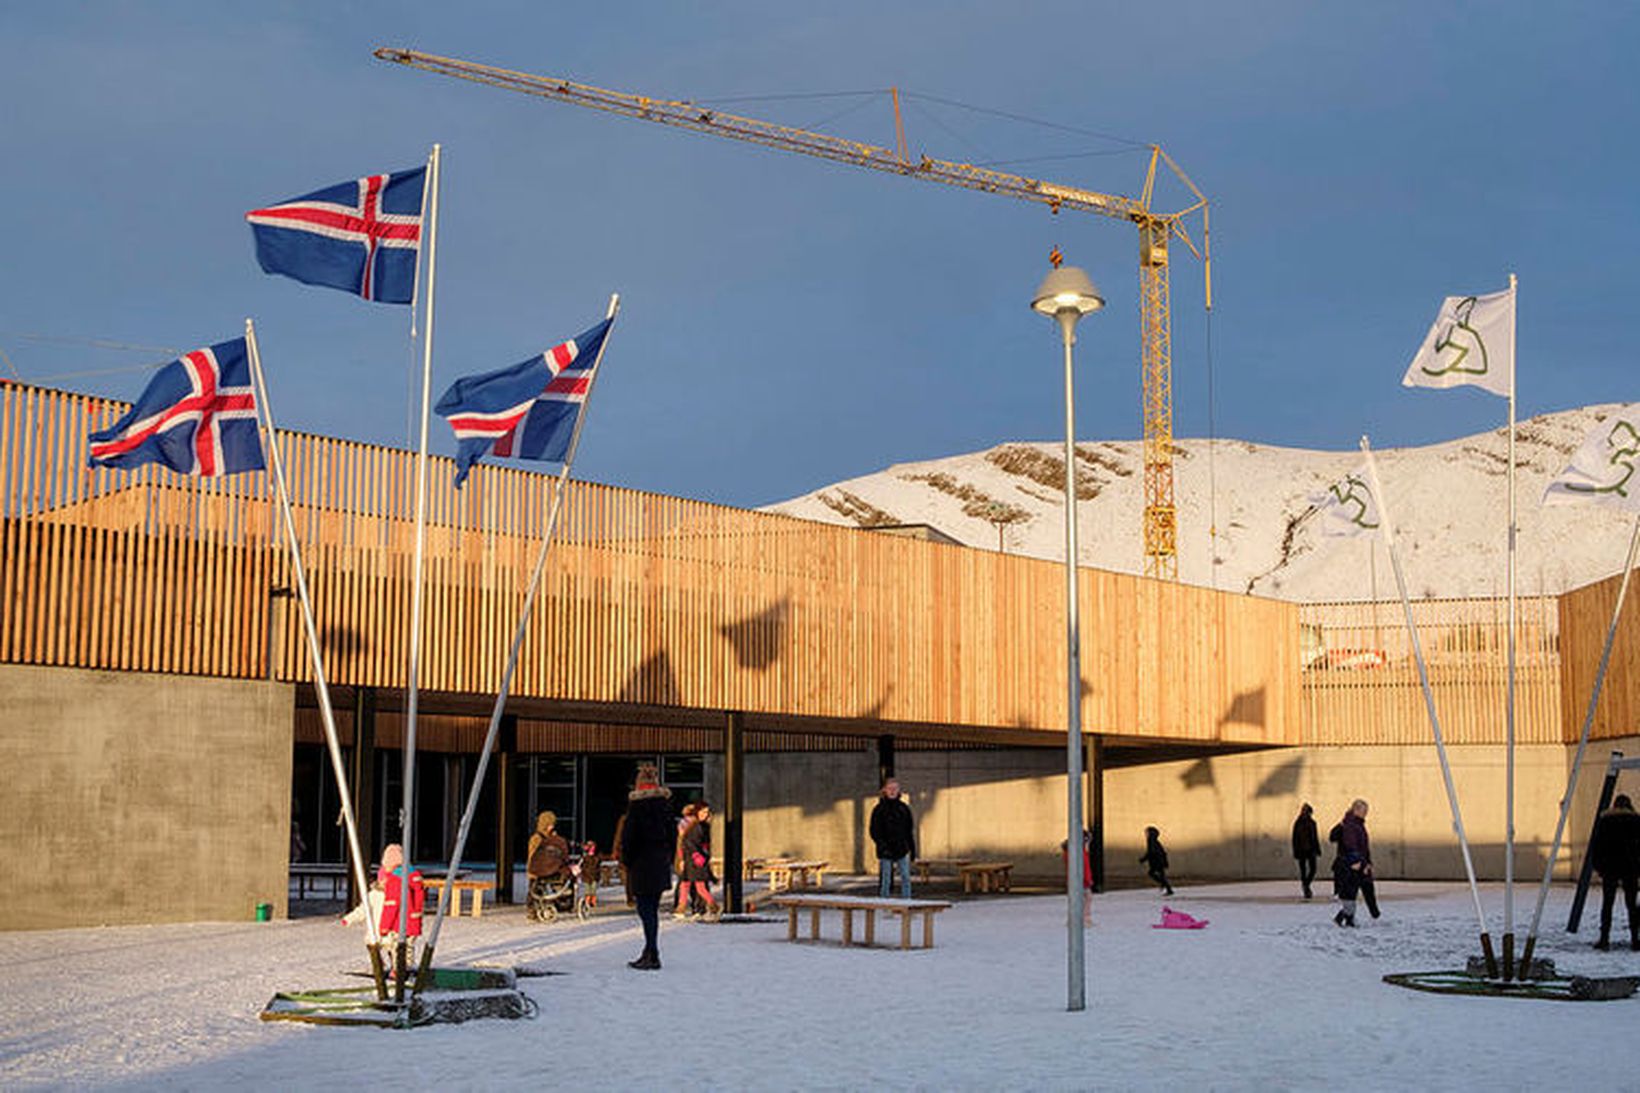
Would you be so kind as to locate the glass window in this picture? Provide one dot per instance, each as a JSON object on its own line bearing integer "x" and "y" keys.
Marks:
{"x": 685, "y": 776}
{"x": 555, "y": 785}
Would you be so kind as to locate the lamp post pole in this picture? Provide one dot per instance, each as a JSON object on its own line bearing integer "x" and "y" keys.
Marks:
{"x": 1067, "y": 294}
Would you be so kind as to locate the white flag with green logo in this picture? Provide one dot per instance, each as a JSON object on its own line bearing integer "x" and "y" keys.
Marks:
{"x": 1472, "y": 342}
{"x": 1347, "y": 507}
{"x": 1602, "y": 469}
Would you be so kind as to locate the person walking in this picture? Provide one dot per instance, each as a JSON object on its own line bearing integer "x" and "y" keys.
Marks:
{"x": 1614, "y": 850}
{"x": 686, "y": 820}
{"x": 546, "y": 861}
{"x": 894, "y": 833}
{"x": 1306, "y": 847}
{"x": 1155, "y": 859}
{"x": 1352, "y": 868}
{"x": 697, "y": 870}
{"x": 647, "y": 843}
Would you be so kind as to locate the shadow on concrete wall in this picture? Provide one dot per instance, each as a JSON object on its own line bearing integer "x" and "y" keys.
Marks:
{"x": 1267, "y": 855}
{"x": 1283, "y": 781}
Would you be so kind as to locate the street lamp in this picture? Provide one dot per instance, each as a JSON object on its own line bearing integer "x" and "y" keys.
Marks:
{"x": 1067, "y": 294}
{"x": 1000, "y": 515}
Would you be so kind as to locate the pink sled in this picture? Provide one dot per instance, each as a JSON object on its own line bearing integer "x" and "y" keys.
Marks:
{"x": 1178, "y": 920}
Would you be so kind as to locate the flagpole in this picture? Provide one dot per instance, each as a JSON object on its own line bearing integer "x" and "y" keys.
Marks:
{"x": 319, "y": 685}
{"x": 1509, "y": 700}
{"x": 1387, "y": 529}
{"x": 503, "y": 870}
{"x": 416, "y": 597}
{"x": 1582, "y": 743}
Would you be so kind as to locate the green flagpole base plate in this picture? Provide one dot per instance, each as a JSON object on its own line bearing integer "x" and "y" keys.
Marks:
{"x": 1575, "y": 988}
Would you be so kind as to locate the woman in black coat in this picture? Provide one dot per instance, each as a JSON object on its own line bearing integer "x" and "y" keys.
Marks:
{"x": 1306, "y": 847}
{"x": 648, "y": 839}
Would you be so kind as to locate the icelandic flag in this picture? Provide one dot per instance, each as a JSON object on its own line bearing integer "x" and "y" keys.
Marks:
{"x": 197, "y": 416}
{"x": 361, "y": 237}
{"x": 527, "y": 411}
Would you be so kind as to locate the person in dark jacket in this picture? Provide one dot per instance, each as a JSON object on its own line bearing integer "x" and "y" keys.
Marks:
{"x": 1352, "y": 868}
{"x": 1155, "y": 859}
{"x": 697, "y": 868}
{"x": 1306, "y": 847}
{"x": 1614, "y": 850}
{"x": 647, "y": 841}
{"x": 895, "y": 835}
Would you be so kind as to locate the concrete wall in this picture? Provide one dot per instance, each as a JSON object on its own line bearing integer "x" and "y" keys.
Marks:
{"x": 976, "y": 804}
{"x": 1231, "y": 817}
{"x": 133, "y": 798}
{"x": 1224, "y": 818}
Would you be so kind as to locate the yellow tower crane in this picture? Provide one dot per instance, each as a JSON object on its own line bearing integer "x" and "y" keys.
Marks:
{"x": 1156, "y": 231}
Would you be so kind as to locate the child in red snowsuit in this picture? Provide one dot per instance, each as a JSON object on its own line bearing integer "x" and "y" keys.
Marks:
{"x": 392, "y": 880}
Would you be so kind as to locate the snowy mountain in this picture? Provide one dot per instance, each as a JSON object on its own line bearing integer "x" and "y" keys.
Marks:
{"x": 1448, "y": 502}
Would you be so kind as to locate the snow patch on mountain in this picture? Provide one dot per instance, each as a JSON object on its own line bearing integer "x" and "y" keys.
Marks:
{"x": 1242, "y": 512}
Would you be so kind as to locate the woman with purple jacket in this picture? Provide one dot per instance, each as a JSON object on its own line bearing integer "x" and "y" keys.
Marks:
{"x": 1352, "y": 869}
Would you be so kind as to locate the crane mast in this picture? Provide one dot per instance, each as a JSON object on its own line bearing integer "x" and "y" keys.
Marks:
{"x": 1156, "y": 230}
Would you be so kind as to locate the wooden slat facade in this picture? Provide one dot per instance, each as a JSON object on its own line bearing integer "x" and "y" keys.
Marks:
{"x": 647, "y": 599}
{"x": 1361, "y": 680}
{"x": 1585, "y": 615}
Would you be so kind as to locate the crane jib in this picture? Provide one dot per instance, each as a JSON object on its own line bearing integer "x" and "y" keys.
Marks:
{"x": 1155, "y": 229}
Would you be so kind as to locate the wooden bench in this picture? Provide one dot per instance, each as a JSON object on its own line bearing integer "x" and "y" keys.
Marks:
{"x": 751, "y": 867}
{"x": 435, "y": 891}
{"x": 987, "y": 876}
{"x": 907, "y": 909}
{"x": 924, "y": 866}
{"x": 334, "y": 872}
{"x": 786, "y": 875}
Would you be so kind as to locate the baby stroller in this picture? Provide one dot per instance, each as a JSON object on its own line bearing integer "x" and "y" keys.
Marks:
{"x": 560, "y": 894}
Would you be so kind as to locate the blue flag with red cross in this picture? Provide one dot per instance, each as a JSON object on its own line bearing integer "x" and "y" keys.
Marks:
{"x": 527, "y": 411}
{"x": 362, "y": 237}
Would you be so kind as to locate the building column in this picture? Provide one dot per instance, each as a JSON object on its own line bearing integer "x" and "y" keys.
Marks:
{"x": 1093, "y": 761}
{"x": 506, "y": 747}
{"x": 734, "y": 810}
{"x": 362, "y": 782}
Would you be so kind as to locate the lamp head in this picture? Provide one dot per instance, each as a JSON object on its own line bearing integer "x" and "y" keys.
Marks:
{"x": 1067, "y": 288}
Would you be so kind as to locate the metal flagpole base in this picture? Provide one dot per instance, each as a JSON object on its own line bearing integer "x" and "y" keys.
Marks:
{"x": 1526, "y": 957}
{"x": 424, "y": 970}
{"x": 1491, "y": 957}
{"x": 1509, "y": 956}
{"x": 400, "y": 958}
{"x": 377, "y": 971}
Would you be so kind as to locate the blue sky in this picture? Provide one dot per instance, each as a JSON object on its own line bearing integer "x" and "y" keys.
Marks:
{"x": 788, "y": 322}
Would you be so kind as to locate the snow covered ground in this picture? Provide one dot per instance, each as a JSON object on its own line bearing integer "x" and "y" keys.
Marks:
{"x": 1271, "y": 995}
